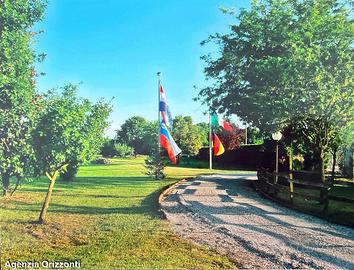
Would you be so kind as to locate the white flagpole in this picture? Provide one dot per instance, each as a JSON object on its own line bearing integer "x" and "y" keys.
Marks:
{"x": 158, "y": 110}
{"x": 210, "y": 144}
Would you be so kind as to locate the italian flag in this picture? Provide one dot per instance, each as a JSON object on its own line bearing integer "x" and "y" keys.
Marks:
{"x": 218, "y": 147}
{"x": 216, "y": 122}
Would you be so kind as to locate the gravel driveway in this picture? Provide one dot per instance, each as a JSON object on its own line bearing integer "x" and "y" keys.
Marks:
{"x": 225, "y": 213}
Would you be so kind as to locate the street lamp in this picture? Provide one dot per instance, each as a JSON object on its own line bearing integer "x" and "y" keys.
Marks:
{"x": 276, "y": 136}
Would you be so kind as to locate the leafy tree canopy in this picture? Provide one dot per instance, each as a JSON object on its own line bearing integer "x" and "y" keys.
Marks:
{"x": 287, "y": 63}
{"x": 139, "y": 133}
{"x": 70, "y": 129}
{"x": 17, "y": 84}
{"x": 187, "y": 136}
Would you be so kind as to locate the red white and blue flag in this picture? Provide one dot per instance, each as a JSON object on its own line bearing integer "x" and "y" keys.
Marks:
{"x": 164, "y": 108}
{"x": 169, "y": 143}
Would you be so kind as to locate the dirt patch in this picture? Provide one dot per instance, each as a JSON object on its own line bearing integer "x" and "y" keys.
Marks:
{"x": 61, "y": 231}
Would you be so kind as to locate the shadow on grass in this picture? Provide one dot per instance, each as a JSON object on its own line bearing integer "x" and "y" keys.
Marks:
{"x": 148, "y": 206}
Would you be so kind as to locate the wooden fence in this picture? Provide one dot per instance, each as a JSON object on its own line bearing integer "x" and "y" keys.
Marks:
{"x": 272, "y": 183}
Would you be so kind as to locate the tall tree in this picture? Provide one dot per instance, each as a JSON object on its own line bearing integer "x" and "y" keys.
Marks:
{"x": 139, "y": 133}
{"x": 187, "y": 136}
{"x": 17, "y": 84}
{"x": 287, "y": 63}
{"x": 204, "y": 130}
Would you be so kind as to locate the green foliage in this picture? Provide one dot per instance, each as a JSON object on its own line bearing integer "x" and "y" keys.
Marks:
{"x": 187, "y": 136}
{"x": 17, "y": 83}
{"x": 203, "y": 129}
{"x": 94, "y": 127}
{"x": 155, "y": 164}
{"x": 288, "y": 63}
{"x": 138, "y": 133}
{"x": 123, "y": 150}
{"x": 108, "y": 148}
{"x": 70, "y": 129}
{"x": 255, "y": 136}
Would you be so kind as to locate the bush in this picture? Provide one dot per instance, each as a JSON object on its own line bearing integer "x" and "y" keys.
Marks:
{"x": 123, "y": 150}
{"x": 69, "y": 173}
{"x": 108, "y": 149}
{"x": 102, "y": 161}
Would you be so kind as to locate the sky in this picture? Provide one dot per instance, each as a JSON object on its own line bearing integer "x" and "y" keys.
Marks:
{"x": 114, "y": 48}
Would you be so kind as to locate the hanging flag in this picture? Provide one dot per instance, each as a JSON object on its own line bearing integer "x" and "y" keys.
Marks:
{"x": 218, "y": 147}
{"x": 169, "y": 143}
{"x": 216, "y": 121}
{"x": 164, "y": 108}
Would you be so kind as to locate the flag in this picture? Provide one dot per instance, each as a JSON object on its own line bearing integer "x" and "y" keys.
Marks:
{"x": 169, "y": 143}
{"x": 216, "y": 121}
{"x": 218, "y": 147}
{"x": 164, "y": 108}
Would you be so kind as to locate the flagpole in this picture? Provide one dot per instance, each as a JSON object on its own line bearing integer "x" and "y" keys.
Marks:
{"x": 210, "y": 144}
{"x": 158, "y": 110}
{"x": 246, "y": 133}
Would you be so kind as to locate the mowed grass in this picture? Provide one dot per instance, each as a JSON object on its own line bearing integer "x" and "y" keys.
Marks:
{"x": 107, "y": 218}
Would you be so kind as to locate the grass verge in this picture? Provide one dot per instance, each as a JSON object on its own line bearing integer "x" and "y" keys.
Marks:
{"x": 106, "y": 218}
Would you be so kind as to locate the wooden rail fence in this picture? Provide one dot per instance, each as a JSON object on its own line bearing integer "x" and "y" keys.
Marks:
{"x": 272, "y": 183}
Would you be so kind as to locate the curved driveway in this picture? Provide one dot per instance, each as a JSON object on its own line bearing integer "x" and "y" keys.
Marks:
{"x": 225, "y": 213}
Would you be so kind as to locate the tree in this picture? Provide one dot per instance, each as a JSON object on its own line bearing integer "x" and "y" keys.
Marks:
{"x": 155, "y": 163}
{"x": 108, "y": 148}
{"x": 17, "y": 84}
{"x": 204, "y": 131}
{"x": 287, "y": 63}
{"x": 231, "y": 139}
{"x": 139, "y": 133}
{"x": 64, "y": 134}
{"x": 123, "y": 150}
{"x": 187, "y": 136}
{"x": 255, "y": 136}
{"x": 94, "y": 126}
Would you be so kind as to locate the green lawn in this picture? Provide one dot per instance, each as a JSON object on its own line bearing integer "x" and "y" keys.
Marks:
{"x": 107, "y": 218}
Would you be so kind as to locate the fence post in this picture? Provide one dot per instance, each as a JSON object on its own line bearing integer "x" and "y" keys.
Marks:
{"x": 325, "y": 200}
{"x": 291, "y": 188}
{"x": 275, "y": 183}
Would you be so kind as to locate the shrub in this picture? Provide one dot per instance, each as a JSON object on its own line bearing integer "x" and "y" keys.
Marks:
{"x": 123, "y": 150}
{"x": 108, "y": 149}
{"x": 69, "y": 173}
{"x": 155, "y": 165}
{"x": 100, "y": 161}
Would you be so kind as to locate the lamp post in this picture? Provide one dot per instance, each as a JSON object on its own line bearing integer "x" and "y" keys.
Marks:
{"x": 276, "y": 136}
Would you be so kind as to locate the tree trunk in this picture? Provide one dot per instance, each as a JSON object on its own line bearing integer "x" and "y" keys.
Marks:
{"x": 45, "y": 206}
{"x": 5, "y": 184}
{"x": 323, "y": 178}
{"x": 18, "y": 181}
{"x": 334, "y": 161}
{"x": 322, "y": 169}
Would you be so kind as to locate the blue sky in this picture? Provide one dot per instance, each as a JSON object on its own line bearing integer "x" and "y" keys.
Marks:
{"x": 115, "y": 48}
